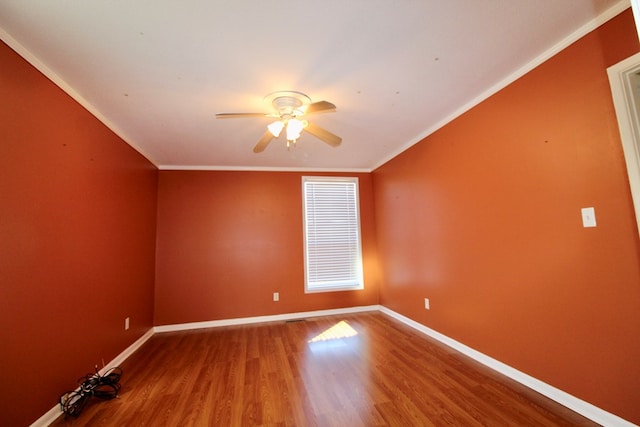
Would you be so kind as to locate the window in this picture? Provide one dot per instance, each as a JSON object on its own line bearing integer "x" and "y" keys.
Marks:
{"x": 332, "y": 249}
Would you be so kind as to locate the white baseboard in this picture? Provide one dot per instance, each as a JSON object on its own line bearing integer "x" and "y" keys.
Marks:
{"x": 263, "y": 319}
{"x": 49, "y": 417}
{"x": 128, "y": 351}
{"x": 580, "y": 406}
{"x": 52, "y": 414}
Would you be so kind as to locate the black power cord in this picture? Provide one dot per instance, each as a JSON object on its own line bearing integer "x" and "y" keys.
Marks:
{"x": 104, "y": 387}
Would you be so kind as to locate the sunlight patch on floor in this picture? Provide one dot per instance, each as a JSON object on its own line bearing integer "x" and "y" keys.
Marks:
{"x": 332, "y": 337}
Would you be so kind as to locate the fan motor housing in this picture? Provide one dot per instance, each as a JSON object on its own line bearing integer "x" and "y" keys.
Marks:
{"x": 288, "y": 103}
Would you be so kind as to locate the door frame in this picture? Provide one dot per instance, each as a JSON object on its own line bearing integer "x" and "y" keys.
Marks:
{"x": 624, "y": 78}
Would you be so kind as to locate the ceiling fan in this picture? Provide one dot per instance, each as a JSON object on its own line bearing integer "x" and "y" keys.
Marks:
{"x": 288, "y": 109}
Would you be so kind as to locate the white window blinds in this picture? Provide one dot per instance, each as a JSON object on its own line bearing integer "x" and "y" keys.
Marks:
{"x": 333, "y": 255}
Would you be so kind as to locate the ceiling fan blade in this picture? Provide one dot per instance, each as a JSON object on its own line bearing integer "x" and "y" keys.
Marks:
{"x": 239, "y": 115}
{"x": 263, "y": 142}
{"x": 323, "y": 134}
{"x": 319, "y": 107}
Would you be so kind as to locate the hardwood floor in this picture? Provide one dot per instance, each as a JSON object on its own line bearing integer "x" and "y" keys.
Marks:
{"x": 354, "y": 370}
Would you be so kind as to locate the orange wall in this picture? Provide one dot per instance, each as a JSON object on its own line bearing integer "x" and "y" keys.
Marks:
{"x": 77, "y": 227}
{"x": 483, "y": 217}
{"x": 228, "y": 240}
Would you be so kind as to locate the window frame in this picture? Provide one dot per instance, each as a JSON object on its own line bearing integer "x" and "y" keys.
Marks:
{"x": 355, "y": 279}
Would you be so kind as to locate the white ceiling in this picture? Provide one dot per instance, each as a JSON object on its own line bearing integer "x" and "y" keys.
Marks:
{"x": 157, "y": 71}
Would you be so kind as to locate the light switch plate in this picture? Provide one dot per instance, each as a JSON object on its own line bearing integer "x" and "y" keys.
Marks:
{"x": 588, "y": 217}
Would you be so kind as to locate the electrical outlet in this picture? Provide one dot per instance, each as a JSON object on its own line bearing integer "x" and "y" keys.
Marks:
{"x": 276, "y": 296}
{"x": 426, "y": 304}
{"x": 126, "y": 324}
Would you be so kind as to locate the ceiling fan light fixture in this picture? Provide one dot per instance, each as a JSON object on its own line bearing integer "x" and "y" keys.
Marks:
{"x": 288, "y": 107}
{"x": 275, "y": 128}
{"x": 294, "y": 128}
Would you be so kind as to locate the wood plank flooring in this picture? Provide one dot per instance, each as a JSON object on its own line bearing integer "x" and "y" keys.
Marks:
{"x": 354, "y": 370}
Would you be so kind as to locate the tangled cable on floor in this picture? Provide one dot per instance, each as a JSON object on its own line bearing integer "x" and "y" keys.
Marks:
{"x": 103, "y": 387}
